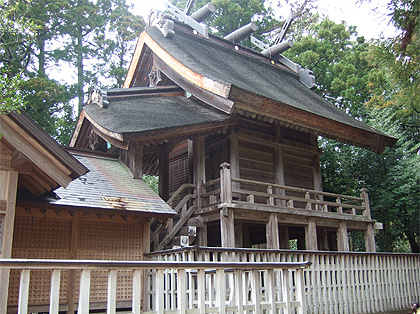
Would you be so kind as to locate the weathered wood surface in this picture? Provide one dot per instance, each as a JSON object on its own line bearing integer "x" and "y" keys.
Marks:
{"x": 337, "y": 282}
{"x": 176, "y": 286}
{"x": 277, "y": 195}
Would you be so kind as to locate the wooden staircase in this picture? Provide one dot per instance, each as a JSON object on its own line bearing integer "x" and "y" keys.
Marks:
{"x": 182, "y": 229}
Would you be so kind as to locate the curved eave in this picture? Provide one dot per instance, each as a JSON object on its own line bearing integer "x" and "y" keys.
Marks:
{"x": 311, "y": 123}
{"x": 151, "y": 137}
{"x": 208, "y": 84}
{"x": 84, "y": 122}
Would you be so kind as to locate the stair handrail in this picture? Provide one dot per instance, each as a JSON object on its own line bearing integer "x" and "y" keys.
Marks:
{"x": 179, "y": 191}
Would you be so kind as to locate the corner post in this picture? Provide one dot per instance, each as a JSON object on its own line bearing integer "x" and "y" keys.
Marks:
{"x": 366, "y": 204}
{"x": 8, "y": 189}
{"x": 227, "y": 226}
{"x": 342, "y": 237}
{"x": 370, "y": 239}
{"x": 311, "y": 236}
{"x": 225, "y": 184}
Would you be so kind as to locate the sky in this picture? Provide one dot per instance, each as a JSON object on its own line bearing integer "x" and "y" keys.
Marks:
{"x": 369, "y": 23}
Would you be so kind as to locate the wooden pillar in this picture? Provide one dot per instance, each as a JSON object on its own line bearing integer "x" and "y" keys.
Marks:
{"x": 272, "y": 232}
{"x": 135, "y": 153}
{"x": 322, "y": 239}
{"x": 279, "y": 168}
{"x": 202, "y": 235}
{"x": 74, "y": 245}
{"x": 317, "y": 179}
{"x": 342, "y": 237}
{"x": 199, "y": 162}
{"x": 164, "y": 174}
{"x": 227, "y": 227}
{"x": 311, "y": 236}
{"x": 370, "y": 239}
{"x": 366, "y": 203}
{"x": 234, "y": 154}
{"x": 8, "y": 189}
{"x": 199, "y": 167}
{"x": 284, "y": 237}
{"x": 145, "y": 235}
{"x": 239, "y": 231}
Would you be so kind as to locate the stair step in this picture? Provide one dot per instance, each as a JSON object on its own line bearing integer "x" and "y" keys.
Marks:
{"x": 188, "y": 231}
{"x": 196, "y": 221}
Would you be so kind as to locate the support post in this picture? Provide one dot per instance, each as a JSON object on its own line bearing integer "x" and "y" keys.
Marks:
{"x": 311, "y": 236}
{"x": 366, "y": 204}
{"x": 279, "y": 173}
{"x": 199, "y": 166}
{"x": 272, "y": 232}
{"x": 227, "y": 227}
{"x": 8, "y": 188}
{"x": 135, "y": 152}
{"x": 370, "y": 239}
{"x": 225, "y": 184}
{"x": 284, "y": 237}
{"x": 342, "y": 237}
{"x": 164, "y": 175}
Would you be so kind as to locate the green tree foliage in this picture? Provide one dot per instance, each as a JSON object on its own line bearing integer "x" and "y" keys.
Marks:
{"x": 347, "y": 76}
{"x": 399, "y": 57}
{"x": 17, "y": 35}
{"x": 40, "y": 35}
{"x": 115, "y": 41}
{"x": 10, "y": 96}
{"x": 337, "y": 57}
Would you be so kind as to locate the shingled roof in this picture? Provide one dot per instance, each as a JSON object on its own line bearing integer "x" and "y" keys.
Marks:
{"x": 110, "y": 186}
{"x": 235, "y": 80}
{"x": 128, "y": 114}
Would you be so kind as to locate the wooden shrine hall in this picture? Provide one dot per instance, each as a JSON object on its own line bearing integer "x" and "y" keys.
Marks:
{"x": 240, "y": 223}
{"x": 232, "y": 135}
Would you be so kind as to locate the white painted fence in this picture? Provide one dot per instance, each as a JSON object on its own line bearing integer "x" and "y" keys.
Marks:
{"x": 345, "y": 283}
{"x": 176, "y": 287}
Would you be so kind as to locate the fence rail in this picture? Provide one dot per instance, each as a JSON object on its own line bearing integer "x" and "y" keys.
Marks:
{"x": 241, "y": 191}
{"x": 175, "y": 286}
{"x": 344, "y": 283}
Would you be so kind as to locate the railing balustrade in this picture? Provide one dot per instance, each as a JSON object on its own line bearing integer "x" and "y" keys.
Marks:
{"x": 241, "y": 191}
{"x": 337, "y": 282}
{"x": 174, "y": 286}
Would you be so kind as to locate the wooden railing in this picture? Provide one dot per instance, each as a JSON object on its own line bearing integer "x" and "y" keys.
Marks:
{"x": 240, "y": 191}
{"x": 175, "y": 287}
{"x": 336, "y": 283}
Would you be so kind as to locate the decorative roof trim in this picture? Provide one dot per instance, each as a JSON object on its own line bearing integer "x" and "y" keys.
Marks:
{"x": 205, "y": 83}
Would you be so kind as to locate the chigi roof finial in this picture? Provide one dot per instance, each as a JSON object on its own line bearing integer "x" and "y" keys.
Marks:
{"x": 98, "y": 97}
{"x": 280, "y": 45}
{"x": 165, "y": 24}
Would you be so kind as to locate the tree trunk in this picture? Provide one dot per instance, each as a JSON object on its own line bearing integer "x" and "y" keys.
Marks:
{"x": 80, "y": 80}
{"x": 412, "y": 240}
{"x": 41, "y": 57}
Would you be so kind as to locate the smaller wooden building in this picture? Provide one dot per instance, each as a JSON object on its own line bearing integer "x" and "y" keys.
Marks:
{"x": 58, "y": 204}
